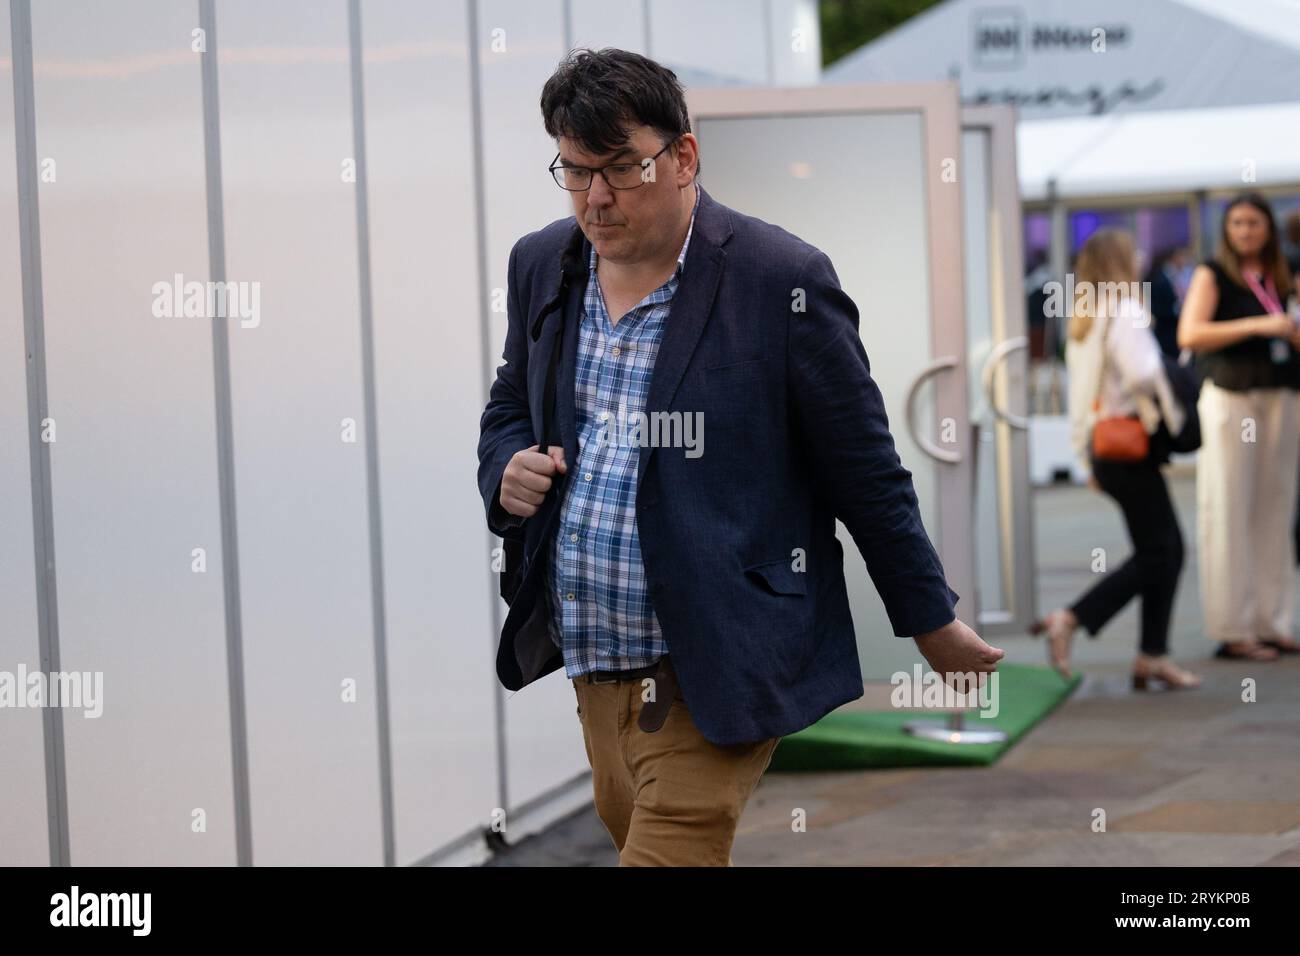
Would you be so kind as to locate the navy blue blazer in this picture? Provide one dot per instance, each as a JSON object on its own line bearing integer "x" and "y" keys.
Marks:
{"x": 742, "y": 561}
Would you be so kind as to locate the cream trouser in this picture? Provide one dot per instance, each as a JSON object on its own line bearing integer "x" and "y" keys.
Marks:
{"x": 1246, "y": 478}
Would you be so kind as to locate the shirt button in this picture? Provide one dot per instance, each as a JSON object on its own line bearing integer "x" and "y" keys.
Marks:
{"x": 569, "y": 596}
{"x": 587, "y": 476}
{"x": 573, "y": 537}
{"x": 604, "y": 416}
{"x": 617, "y": 351}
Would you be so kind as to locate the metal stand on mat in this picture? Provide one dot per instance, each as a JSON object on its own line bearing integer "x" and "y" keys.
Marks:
{"x": 953, "y": 730}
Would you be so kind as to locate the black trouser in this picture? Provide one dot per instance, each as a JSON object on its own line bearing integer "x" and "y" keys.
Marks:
{"x": 1153, "y": 569}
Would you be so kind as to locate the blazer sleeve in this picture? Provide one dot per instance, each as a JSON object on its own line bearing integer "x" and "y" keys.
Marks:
{"x": 506, "y": 425}
{"x": 841, "y": 414}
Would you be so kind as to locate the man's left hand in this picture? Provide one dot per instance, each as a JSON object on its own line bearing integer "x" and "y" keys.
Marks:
{"x": 955, "y": 651}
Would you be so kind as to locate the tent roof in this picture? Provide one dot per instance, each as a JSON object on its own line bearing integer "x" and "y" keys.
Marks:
{"x": 1276, "y": 20}
{"x": 1159, "y": 55}
{"x": 1160, "y": 151}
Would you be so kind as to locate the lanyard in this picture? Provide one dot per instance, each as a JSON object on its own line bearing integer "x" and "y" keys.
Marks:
{"x": 1267, "y": 294}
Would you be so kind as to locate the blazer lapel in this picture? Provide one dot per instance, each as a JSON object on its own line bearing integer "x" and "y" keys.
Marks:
{"x": 689, "y": 313}
{"x": 692, "y": 303}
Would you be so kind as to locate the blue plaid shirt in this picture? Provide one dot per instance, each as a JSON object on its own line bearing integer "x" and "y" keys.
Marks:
{"x": 602, "y": 617}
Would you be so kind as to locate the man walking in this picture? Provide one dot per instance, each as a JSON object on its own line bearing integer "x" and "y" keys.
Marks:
{"x": 691, "y": 585}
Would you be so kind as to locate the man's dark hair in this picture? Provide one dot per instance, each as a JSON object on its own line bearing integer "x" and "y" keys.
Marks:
{"x": 596, "y": 96}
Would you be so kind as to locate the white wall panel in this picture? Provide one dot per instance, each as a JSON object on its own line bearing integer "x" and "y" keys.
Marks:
{"x": 119, "y": 134}
{"x": 290, "y": 217}
{"x": 429, "y": 363}
{"x": 23, "y": 832}
{"x": 597, "y": 24}
{"x": 737, "y": 41}
{"x": 796, "y": 42}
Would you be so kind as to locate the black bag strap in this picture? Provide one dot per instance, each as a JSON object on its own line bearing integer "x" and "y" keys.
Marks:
{"x": 571, "y": 269}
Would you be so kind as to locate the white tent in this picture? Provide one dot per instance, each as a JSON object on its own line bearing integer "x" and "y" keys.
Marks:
{"x": 1160, "y": 152}
{"x": 1056, "y": 58}
{"x": 1117, "y": 98}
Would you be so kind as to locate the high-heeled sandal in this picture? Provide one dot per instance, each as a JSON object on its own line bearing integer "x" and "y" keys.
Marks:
{"x": 1164, "y": 671}
{"x": 1059, "y": 634}
{"x": 1246, "y": 651}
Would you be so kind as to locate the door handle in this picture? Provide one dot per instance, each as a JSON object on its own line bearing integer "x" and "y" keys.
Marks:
{"x": 996, "y": 357}
{"x": 948, "y": 455}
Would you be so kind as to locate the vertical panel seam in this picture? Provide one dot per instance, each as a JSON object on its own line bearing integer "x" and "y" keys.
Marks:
{"x": 768, "y": 39}
{"x": 485, "y": 347}
{"x": 225, "y": 446}
{"x": 29, "y": 243}
{"x": 374, "y": 513}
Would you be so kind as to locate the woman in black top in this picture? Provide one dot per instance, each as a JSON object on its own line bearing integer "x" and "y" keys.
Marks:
{"x": 1235, "y": 319}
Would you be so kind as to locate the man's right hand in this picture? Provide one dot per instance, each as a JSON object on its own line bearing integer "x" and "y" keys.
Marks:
{"x": 527, "y": 479}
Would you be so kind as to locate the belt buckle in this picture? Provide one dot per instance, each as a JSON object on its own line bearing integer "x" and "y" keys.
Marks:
{"x": 593, "y": 678}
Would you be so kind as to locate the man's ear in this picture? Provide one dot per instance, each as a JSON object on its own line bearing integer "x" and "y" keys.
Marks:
{"x": 694, "y": 147}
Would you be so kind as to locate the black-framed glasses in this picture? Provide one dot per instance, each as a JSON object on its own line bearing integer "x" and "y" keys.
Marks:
{"x": 576, "y": 179}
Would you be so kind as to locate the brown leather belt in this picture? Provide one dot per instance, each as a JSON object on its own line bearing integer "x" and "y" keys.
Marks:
{"x": 653, "y": 712}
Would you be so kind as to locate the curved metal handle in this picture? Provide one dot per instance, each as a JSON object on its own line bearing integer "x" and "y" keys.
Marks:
{"x": 930, "y": 448}
{"x": 996, "y": 357}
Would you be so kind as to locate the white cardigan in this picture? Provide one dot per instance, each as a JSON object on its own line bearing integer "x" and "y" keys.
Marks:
{"x": 1135, "y": 381}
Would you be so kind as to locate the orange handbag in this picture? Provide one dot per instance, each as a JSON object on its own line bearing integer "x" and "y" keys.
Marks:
{"x": 1119, "y": 437}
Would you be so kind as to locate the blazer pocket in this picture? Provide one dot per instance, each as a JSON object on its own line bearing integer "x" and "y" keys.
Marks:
{"x": 748, "y": 370}
{"x": 778, "y": 577}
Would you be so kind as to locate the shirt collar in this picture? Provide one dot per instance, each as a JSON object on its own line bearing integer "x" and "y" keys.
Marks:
{"x": 681, "y": 256}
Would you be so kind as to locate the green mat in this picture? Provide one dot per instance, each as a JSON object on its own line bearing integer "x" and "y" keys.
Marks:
{"x": 855, "y": 740}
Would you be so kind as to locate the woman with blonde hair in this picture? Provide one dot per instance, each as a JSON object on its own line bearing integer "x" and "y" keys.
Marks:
{"x": 1117, "y": 376}
{"x": 1235, "y": 320}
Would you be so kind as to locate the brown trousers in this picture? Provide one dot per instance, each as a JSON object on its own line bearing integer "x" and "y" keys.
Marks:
{"x": 668, "y": 798}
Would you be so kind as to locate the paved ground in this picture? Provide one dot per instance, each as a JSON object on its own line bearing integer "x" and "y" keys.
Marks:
{"x": 1184, "y": 778}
